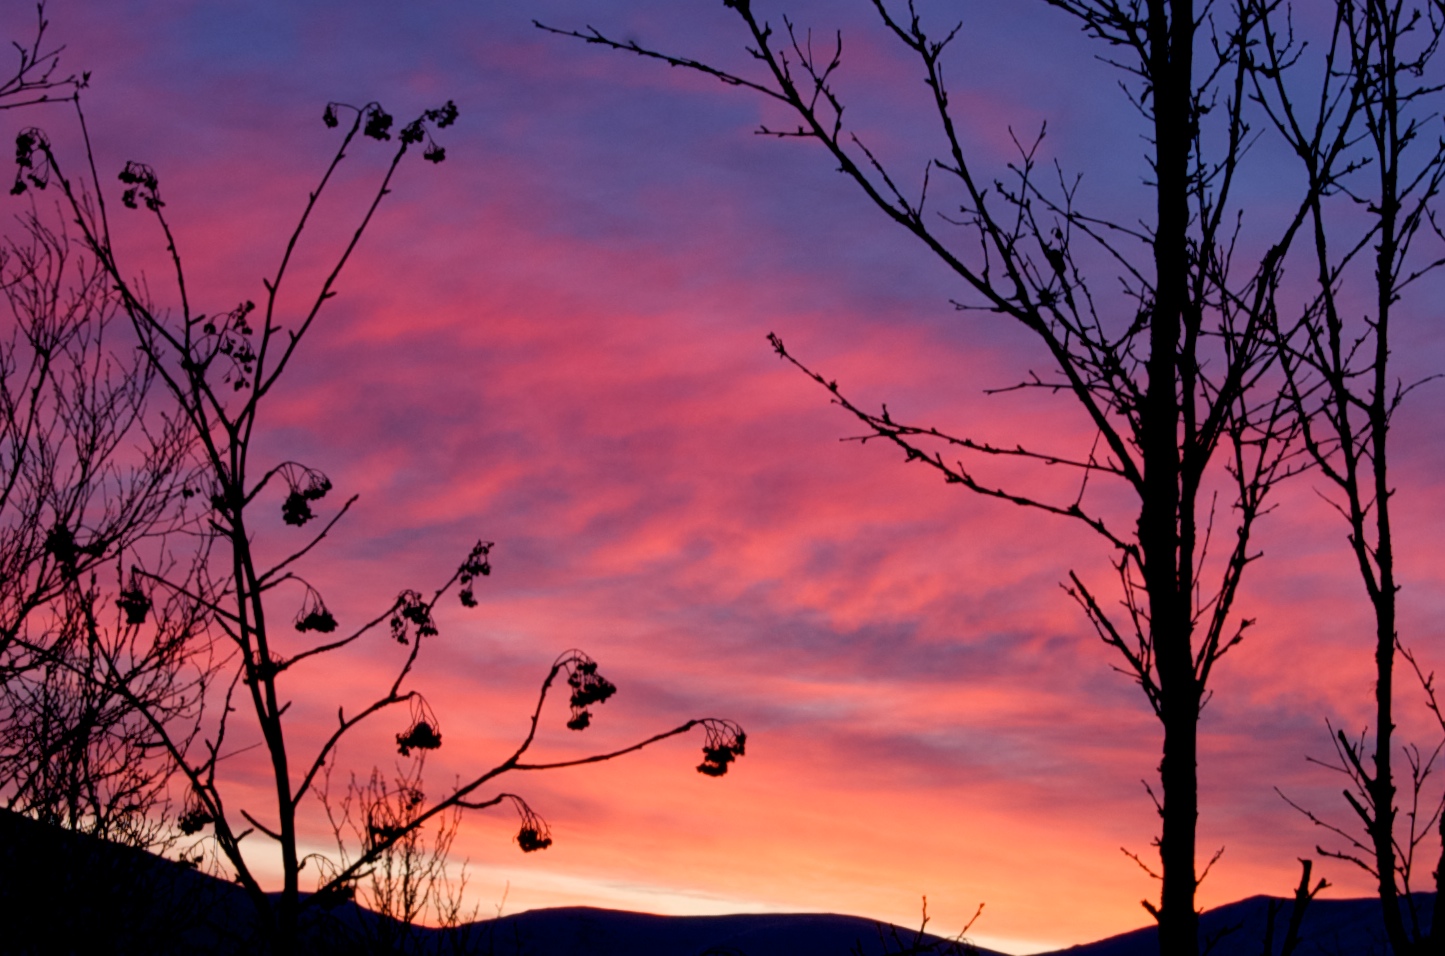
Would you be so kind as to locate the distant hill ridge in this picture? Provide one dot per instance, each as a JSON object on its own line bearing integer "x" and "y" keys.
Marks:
{"x": 1330, "y": 928}
{"x": 57, "y": 887}
{"x": 588, "y": 931}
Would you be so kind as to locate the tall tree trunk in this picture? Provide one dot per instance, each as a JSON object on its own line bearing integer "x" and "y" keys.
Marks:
{"x": 1388, "y": 143}
{"x": 1161, "y": 521}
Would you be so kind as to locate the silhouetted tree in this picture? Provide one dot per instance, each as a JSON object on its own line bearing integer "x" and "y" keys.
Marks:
{"x": 244, "y": 577}
{"x": 80, "y": 752}
{"x": 1173, "y": 377}
{"x": 88, "y": 473}
{"x": 410, "y": 882}
{"x": 1342, "y": 385}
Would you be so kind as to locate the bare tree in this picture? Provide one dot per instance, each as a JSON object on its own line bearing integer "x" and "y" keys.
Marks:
{"x": 1346, "y": 393}
{"x": 410, "y": 882}
{"x": 91, "y": 474}
{"x": 245, "y": 575}
{"x": 1174, "y": 378}
{"x": 80, "y": 753}
{"x": 89, "y": 471}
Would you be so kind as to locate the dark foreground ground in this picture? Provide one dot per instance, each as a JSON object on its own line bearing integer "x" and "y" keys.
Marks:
{"x": 59, "y": 891}
{"x": 1330, "y": 928}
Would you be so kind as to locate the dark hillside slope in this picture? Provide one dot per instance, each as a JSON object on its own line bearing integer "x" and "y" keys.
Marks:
{"x": 1331, "y": 928}
{"x": 58, "y": 888}
{"x": 583, "y": 931}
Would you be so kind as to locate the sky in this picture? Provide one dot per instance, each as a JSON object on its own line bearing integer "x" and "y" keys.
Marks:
{"x": 555, "y": 340}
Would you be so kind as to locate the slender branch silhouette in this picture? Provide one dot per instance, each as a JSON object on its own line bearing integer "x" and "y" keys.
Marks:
{"x": 1177, "y": 378}
{"x": 1344, "y": 393}
{"x": 90, "y": 470}
{"x": 217, "y": 368}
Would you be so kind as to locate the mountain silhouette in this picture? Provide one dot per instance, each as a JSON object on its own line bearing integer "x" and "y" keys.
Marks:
{"x": 57, "y": 888}
{"x": 1330, "y": 928}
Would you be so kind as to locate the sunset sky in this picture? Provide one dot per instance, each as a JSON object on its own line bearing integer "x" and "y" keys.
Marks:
{"x": 555, "y": 340}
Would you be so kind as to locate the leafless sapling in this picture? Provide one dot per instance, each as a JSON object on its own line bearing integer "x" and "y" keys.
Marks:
{"x": 1173, "y": 377}
{"x": 219, "y": 368}
{"x": 1346, "y": 393}
{"x": 410, "y": 883}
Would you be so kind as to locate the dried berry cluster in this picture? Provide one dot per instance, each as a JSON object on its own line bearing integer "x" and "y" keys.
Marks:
{"x": 193, "y": 821}
{"x": 377, "y": 125}
{"x": 133, "y": 601}
{"x": 32, "y": 161}
{"x": 319, "y": 620}
{"x": 411, "y": 609}
{"x": 415, "y": 131}
{"x": 724, "y": 743}
{"x": 421, "y": 736}
{"x": 313, "y": 615}
{"x": 474, "y": 566}
{"x": 304, "y": 485}
{"x": 424, "y": 732}
{"x": 232, "y": 334}
{"x": 143, "y": 185}
{"x": 529, "y": 839}
{"x": 588, "y": 687}
{"x": 534, "y": 834}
